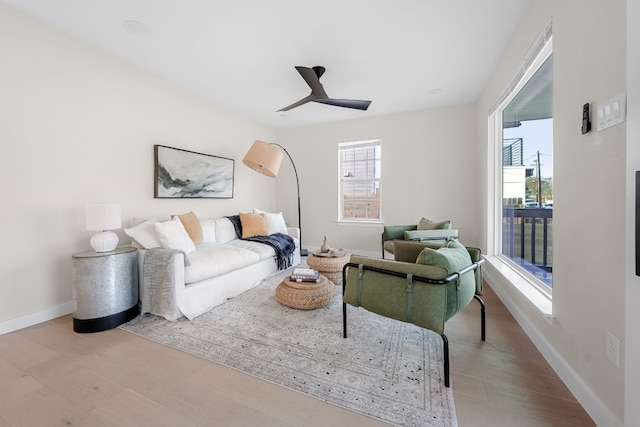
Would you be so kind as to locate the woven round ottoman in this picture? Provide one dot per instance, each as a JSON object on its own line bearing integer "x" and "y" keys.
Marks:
{"x": 329, "y": 264}
{"x": 305, "y": 295}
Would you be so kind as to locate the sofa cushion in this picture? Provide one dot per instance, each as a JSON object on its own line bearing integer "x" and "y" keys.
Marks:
{"x": 275, "y": 221}
{"x": 253, "y": 225}
{"x": 427, "y": 224}
{"x": 214, "y": 259}
{"x": 144, "y": 234}
{"x": 262, "y": 250}
{"x": 191, "y": 225}
{"x": 172, "y": 235}
{"x": 452, "y": 257}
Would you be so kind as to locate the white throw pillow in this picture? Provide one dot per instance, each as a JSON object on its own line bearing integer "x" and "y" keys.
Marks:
{"x": 275, "y": 221}
{"x": 144, "y": 234}
{"x": 172, "y": 235}
{"x": 224, "y": 230}
{"x": 208, "y": 230}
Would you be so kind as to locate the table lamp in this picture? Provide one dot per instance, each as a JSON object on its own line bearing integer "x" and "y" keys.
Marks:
{"x": 103, "y": 217}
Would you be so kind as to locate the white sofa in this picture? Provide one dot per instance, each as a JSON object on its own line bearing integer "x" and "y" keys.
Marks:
{"x": 179, "y": 280}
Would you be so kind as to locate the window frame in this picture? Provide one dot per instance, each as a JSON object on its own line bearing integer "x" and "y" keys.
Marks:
{"x": 375, "y": 142}
{"x": 534, "y": 289}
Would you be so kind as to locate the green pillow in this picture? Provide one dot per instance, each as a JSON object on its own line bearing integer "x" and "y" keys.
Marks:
{"x": 426, "y": 224}
{"x": 453, "y": 257}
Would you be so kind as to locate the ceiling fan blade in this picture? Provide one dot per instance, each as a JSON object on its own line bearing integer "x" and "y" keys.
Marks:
{"x": 346, "y": 103}
{"x": 299, "y": 103}
{"x": 313, "y": 80}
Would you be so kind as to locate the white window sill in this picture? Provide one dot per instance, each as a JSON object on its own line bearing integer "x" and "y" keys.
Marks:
{"x": 541, "y": 300}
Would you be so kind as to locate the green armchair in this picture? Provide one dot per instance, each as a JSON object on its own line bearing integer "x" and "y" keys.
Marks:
{"x": 436, "y": 233}
{"x": 423, "y": 286}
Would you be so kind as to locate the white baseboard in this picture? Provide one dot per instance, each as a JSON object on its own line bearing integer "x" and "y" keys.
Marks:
{"x": 594, "y": 406}
{"x": 35, "y": 318}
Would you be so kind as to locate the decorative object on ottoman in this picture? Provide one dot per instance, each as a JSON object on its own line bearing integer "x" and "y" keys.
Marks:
{"x": 330, "y": 264}
{"x": 325, "y": 246}
{"x": 306, "y": 295}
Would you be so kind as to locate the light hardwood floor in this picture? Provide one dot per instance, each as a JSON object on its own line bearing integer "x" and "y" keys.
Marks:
{"x": 51, "y": 376}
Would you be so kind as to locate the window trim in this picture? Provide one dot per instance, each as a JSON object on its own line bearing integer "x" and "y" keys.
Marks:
{"x": 540, "y": 295}
{"x": 373, "y": 142}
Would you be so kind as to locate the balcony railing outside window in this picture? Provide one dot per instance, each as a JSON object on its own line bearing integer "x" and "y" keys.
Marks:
{"x": 527, "y": 236}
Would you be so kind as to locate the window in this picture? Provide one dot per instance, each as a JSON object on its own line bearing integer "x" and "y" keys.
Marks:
{"x": 521, "y": 134}
{"x": 359, "y": 182}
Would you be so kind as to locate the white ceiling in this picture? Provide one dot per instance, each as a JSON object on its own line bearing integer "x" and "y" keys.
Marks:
{"x": 242, "y": 53}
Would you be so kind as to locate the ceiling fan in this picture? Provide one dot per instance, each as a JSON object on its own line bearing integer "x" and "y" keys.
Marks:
{"x": 312, "y": 77}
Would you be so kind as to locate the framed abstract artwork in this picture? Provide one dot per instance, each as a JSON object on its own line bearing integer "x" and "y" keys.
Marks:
{"x": 186, "y": 174}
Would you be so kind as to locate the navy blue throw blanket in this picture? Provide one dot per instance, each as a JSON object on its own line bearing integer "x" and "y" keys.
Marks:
{"x": 282, "y": 244}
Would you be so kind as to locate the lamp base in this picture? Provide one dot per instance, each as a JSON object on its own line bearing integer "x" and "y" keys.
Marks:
{"x": 304, "y": 252}
{"x": 104, "y": 242}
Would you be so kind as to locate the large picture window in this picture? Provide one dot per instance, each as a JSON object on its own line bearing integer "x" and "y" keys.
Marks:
{"x": 521, "y": 135}
{"x": 359, "y": 184}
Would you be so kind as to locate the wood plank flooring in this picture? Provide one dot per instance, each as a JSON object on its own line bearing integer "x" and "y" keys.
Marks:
{"x": 51, "y": 376}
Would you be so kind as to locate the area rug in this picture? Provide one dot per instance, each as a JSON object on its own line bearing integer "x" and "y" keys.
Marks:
{"x": 389, "y": 370}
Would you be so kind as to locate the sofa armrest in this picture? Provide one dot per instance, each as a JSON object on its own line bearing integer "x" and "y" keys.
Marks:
{"x": 162, "y": 282}
{"x": 391, "y": 232}
{"x": 294, "y": 232}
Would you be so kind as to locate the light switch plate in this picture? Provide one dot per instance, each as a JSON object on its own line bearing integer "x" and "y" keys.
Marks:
{"x": 612, "y": 112}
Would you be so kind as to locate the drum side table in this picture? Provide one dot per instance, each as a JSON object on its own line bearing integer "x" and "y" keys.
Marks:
{"x": 105, "y": 289}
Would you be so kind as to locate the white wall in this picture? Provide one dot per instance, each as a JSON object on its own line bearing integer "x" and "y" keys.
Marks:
{"x": 428, "y": 167}
{"x": 589, "y": 199}
{"x": 76, "y": 126}
{"x": 632, "y": 371}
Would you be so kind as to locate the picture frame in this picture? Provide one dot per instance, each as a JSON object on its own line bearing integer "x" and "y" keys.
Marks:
{"x": 183, "y": 174}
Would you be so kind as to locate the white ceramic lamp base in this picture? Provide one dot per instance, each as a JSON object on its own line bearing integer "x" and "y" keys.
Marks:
{"x": 104, "y": 242}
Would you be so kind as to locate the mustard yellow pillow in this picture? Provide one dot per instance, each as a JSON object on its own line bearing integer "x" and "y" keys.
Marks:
{"x": 192, "y": 225}
{"x": 253, "y": 225}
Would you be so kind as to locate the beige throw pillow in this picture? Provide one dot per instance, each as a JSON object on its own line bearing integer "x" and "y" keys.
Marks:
{"x": 191, "y": 225}
{"x": 253, "y": 225}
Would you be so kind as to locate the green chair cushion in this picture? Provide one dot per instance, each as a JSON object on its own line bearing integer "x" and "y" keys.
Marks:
{"x": 452, "y": 257}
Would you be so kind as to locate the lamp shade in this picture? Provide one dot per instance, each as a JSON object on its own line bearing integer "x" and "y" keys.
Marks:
{"x": 103, "y": 216}
{"x": 264, "y": 158}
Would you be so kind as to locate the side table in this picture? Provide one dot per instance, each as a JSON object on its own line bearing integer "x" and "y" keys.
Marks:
{"x": 329, "y": 264}
{"x": 306, "y": 296}
{"x": 105, "y": 289}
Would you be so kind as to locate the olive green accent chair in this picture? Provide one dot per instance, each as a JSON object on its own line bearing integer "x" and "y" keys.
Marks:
{"x": 433, "y": 232}
{"x": 424, "y": 285}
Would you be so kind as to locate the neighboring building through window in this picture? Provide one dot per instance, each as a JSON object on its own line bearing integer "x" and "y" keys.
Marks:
{"x": 359, "y": 183}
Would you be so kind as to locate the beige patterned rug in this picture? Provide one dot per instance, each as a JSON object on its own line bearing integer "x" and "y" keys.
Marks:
{"x": 385, "y": 369}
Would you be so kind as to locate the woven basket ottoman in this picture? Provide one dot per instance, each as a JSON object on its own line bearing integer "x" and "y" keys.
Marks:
{"x": 305, "y": 295}
{"x": 329, "y": 264}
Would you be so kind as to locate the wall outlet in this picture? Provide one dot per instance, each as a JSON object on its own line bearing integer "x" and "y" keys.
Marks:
{"x": 613, "y": 349}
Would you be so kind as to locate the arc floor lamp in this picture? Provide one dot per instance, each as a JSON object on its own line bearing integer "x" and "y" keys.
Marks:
{"x": 263, "y": 157}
